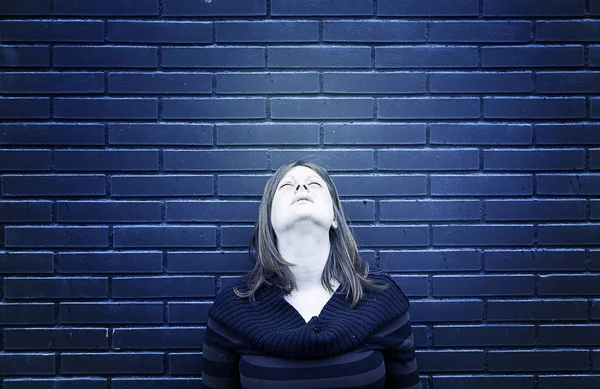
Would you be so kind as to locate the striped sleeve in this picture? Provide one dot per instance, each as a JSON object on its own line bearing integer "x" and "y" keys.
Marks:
{"x": 220, "y": 360}
{"x": 397, "y": 341}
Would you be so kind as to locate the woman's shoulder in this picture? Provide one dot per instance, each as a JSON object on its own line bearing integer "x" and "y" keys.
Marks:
{"x": 386, "y": 289}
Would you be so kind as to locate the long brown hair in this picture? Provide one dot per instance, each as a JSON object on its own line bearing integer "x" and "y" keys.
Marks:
{"x": 344, "y": 263}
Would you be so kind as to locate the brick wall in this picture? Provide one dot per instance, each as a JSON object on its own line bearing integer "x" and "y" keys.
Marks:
{"x": 137, "y": 136}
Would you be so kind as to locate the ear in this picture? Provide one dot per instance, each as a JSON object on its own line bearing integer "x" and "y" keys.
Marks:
{"x": 334, "y": 224}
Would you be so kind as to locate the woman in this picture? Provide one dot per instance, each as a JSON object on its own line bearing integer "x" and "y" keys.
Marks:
{"x": 309, "y": 315}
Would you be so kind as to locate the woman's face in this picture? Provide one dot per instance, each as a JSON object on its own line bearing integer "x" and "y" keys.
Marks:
{"x": 301, "y": 196}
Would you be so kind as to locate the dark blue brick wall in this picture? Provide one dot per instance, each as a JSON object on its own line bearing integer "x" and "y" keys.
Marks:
{"x": 136, "y": 138}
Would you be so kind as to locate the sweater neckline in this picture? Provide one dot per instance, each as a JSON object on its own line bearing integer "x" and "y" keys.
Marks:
{"x": 314, "y": 317}
{"x": 273, "y": 326}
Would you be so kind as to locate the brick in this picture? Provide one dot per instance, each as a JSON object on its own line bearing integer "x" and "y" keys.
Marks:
{"x": 235, "y": 236}
{"x": 388, "y": 31}
{"x": 568, "y": 235}
{"x": 430, "y": 260}
{"x": 557, "y": 381}
{"x": 115, "y": 262}
{"x": 53, "y": 236}
{"x": 567, "y": 134}
{"x": 535, "y": 160}
{"x": 538, "y": 360}
{"x": 161, "y": 287}
{"x": 569, "y": 285}
{"x": 535, "y": 260}
{"x": 185, "y": 363}
{"x": 53, "y": 185}
{"x": 162, "y": 185}
{"x": 105, "y": 57}
{"x": 595, "y": 210}
{"x": 380, "y": 83}
{"x": 391, "y": 236}
{"x": 594, "y": 7}
{"x": 108, "y": 211}
{"x": 51, "y": 83}
{"x": 24, "y": 108}
{"x": 536, "y": 310}
{"x": 39, "y": 31}
{"x": 532, "y": 56}
{"x": 24, "y": 160}
{"x": 480, "y": 31}
{"x": 568, "y": 184}
{"x": 25, "y": 211}
{"x": 488, "y": 185}
{"x": 188, "y": 134}
{"x": 269, "y": 83}
{"x": 446, "y": 311}
{"x": 112, "y": 363}
{"x": 52, "y": 134}
{"x": 241, "y": 185}
{"x": 594, "y": 55}
{"x": 569, "y": 335}
{"x": 428, "y": 210}
{"x": 488, "y": 285}
{"x": 321, "y": 108}
{"x": 212, "y": 211}
{"x": 24, "y": 56}
{"x": 595, "y": 159}
{"x": 594, "y": 108}
{"x": 374, "y": 133}
{"x": 596, "y": 360}
{"x": 482, "y": 82}
{"x": 428, "y": 159}
{"x": 210, "y": 108}
{"x": 199, "y": 9}
{"x": 420, "y": 334}
{"x": 107, "y": 7}
{"x": 156, "y": 383}
{"x": 267, "y": 31}
{"x": 319, "y": 57}
{"x": 595, "y": 259}
{"x": 450, "y": 361}
{"x": 426, "y": 57}
{"x": 158, "y": 338}
{"x": 488, "y": 382}
{"x": 106, "y": 160}
{"x": 428, "y": 108}
{"x": 159, "y": 31}
{"x": 55, "y": 339}
{"x": 330, "y": 159}
{"x": 381, "y": 185}
{"x": 321, "y": 8}
{"x": 55, "y": 288}
{"x": 56, "y": 383}
{"x": 534, "y": 8}
{"x": 111, "y": 313}
{"x": 165, "y": 236}
{"x": 105, "y": 108}
{"x": 26, "y": 7}
{"x": 534, "y": 107}
{"x": 202, "y": 262}
{"x": 567, "y": 31}
{"x": 188, "y": 312}
{"x": 359, "y": 210}
{"x": 26, "y": 314}
{"x": 483, "y": 235}
{"x": 26, "y": 364}
{"x": 412, "y": 285}
{"x": 595, "y": 314}
{"x": 267, "y": 134}
{"x": 213, "y": 57}
{"x": 160, "y": 83}
{"x": 28, "y": 262}
{"x": 205, "y": 160}
{"x": 480, "y": 134}
{"x": 568, "y": 82}
{"x": 483, "y": 335}
{"x": 427, "y": 8}
{"x": 529, "y": 210}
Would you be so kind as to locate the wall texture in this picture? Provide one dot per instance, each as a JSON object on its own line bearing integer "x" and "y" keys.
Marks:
{"x": 137, "y": 136}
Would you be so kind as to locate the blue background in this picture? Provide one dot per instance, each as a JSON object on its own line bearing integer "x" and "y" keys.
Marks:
{"x": 137, "y": 136}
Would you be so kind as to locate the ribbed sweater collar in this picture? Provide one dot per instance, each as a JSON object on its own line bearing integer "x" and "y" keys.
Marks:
{"x": 272, "y": 325}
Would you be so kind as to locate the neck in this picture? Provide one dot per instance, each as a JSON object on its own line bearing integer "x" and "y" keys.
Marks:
{"x": 308, "y": 250}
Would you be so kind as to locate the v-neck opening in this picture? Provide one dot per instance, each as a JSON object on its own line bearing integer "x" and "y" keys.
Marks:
{"x": 319, "y": 315}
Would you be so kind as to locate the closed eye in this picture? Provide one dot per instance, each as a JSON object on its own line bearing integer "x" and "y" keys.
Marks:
{"x": 285, "y": 184}
{"x": 314, "y": 183}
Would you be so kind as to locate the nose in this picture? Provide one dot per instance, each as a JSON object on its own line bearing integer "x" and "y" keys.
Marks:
{"x": 304, "y": 185}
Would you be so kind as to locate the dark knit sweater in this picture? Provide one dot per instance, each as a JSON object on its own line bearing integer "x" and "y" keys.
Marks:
{"x": 241, "y": 332}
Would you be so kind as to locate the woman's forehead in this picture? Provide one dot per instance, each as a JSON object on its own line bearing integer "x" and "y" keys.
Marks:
{"x": 300, "y": 173}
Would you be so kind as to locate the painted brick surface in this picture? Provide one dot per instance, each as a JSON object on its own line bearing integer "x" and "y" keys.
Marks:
{"x": 136, "y": 138}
